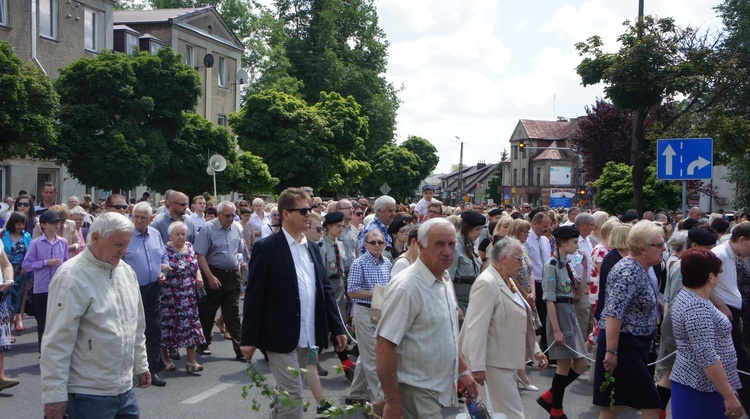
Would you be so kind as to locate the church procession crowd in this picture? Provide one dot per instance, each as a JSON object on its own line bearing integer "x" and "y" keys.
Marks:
{"x": 424, "y": 305}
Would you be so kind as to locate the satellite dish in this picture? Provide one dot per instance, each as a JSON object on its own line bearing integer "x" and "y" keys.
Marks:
{"x": 241, "y": 76}
{"x": 208, "y": 60}
{"x": 210, "y": 171}
{"x": 217, "y": 162}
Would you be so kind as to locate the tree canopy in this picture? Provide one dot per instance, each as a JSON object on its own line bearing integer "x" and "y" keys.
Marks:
{"x": 28, "y": 107}
{"x": 120, "y": 113}
{"x": 615, "y": 189}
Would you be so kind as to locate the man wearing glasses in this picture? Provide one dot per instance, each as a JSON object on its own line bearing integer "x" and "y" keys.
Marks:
{"x": 219, "y": 249}
{"x": 176, "y": 205}
{"x": 289, "y": 304}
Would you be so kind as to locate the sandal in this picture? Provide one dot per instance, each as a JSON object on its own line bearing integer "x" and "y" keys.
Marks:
{"x": 190, "y": 367}
{"x": 203, "y": 351}
{"x": 12, "y": 339}
{"x": 220, "y": 324}
{"x": 170, "y": 367}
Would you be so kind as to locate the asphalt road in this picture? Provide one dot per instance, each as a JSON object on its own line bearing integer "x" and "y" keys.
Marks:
{"x": 217, "y": 391}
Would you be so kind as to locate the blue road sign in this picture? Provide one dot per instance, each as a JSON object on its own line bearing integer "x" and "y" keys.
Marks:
{"x": 684, "y": 159}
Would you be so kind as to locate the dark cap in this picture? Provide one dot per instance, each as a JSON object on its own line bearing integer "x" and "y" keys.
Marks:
{"x": 690, "y": 223}
{"x": 629, "y": 216}
{"x": 427, "y": 188}
{"x": 333, "y": 218}
{"x": 494, "y": 212}
{"x": 49, "y": 217}
{"x": 396, "y": 225}
{"x": 473, "y": 218}
{"x": 702, "y": 237}
{"x": 566, "y": 232}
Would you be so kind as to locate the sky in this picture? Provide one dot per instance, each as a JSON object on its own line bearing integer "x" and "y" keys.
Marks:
{"x": 473, "y": 68}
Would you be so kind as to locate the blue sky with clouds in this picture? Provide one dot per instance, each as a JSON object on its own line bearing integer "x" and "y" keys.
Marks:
{"x": 474, "y": 68}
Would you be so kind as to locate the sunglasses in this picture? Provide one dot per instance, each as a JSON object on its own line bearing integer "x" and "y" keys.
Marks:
{"x": 376, "y": 242}
{"x": 358, "y": 214}
{"x": 302, "y": 211}
{"x": 119, "y": 207}
{"x": 24, "y": 204}
{"x": 226, "y": 215}
{"x": 275, "y": 215}
{"x": 182, "y": 204}
{"x": 320, "y": 229}
{"x": 658, "y": 245}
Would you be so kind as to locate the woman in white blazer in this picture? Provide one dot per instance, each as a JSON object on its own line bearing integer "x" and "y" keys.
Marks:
{"x": 497, "y": 335}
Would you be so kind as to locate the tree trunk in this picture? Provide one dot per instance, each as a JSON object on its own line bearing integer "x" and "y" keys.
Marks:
{"x": 637, "y": 159}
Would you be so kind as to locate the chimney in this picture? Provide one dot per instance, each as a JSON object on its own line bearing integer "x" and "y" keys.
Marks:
{"x": 481, "y": 164}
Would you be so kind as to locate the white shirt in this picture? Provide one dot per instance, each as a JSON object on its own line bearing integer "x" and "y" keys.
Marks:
{"x": 727, "y": 289}
{"x": 539, "y": 251}
{"x": 585, "y": 245}
{"x": 423, "y": 205}
{"x": 303, "y": 266}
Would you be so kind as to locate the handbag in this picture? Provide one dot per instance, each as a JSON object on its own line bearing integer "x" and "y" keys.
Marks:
{"x": 201, "y": 294}
{"x": 376, "y": 304}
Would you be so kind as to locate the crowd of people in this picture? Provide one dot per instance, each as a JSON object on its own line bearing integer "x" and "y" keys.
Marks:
{"x": 424, "y": 304}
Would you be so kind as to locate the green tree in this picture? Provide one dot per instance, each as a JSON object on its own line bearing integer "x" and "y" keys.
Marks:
{"x": 656, "y": 60}
{"x": 494, "y": 188}
{"x": 614, "y": 189}
{"x": 28, "y": 108}
{"x": 249, "y": 175}
{"x": 119, "y": 114}
{"x": 425, "y": 151}
{"x": 396, "y": 166}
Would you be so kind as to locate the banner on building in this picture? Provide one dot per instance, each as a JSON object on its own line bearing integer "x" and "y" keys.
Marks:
{"x": 561, "y": 197}
{"x": 560, "y": 176}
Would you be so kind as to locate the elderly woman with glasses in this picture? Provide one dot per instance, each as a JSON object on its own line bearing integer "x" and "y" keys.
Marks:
{"x": 628, "y": 322}
{"x": 260, "y": 217}
{"x": 275, "y": 225}
{"x": 498, "y": 335}
{"x": 368, "y": 270}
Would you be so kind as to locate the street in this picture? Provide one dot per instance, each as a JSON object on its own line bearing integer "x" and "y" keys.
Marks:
{"x": 217, "y": 391}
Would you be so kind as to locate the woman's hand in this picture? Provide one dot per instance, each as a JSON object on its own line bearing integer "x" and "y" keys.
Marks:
{"x": 733, "y": 407}
{"x": 559, "y": 338}
{"x": 541, "y": 361}
{"x": 610, "y": 362}
{"x": 198, "y": 283}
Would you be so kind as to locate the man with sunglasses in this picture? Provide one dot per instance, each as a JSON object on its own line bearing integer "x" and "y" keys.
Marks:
{"x": 218, "y": 248}
{"x": 177, "y": 203}
{"x": 289, "y": 304}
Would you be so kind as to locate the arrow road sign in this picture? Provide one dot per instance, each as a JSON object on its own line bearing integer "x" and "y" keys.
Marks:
{"x": 684, "y": 159}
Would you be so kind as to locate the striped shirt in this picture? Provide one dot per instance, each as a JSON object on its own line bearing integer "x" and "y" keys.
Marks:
{"x": 366, "y": 272}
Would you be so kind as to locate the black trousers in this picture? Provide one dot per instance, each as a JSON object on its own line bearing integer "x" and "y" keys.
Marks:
{"x": 40, "y": 314}
{"x": 743, "y": 359}
{"x": 151, "y": 297}
{"x": 228, "y": 298}
{"x": 541, "y": 308}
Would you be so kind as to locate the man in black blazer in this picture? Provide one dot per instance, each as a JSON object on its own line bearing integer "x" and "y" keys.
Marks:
{"x": 289, "y": 303}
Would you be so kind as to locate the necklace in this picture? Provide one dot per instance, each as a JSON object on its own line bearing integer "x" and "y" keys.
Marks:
{"x": 508, "y": 282}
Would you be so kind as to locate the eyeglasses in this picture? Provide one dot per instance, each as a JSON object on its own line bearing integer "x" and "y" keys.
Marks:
{"x": 23, "y": 204}
{"x": 243, "y": 205}
{"x": 434, "y": 212}
{"x": 376, "y": 243}
{"x": 182, "y": 204}
{"x": 320, "y": 229}
{"x": 658, "y": 245}
{"x": 227, "y": 215}
{"x": 302, "y": 211}
{"x": 119, "y": 207}
{"x": 275, "y": 215}
{"x": 520, "y": 258}
{"x": 358, "y": 214}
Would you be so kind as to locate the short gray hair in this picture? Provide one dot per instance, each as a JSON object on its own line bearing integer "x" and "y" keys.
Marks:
{"x": 108, "y": 223}
{"x": 382, "y": 202}
{"x": 374, "y": 231}
{"x": 77, "y": 210}
{"x": 425, "y": 228}
{"x": 175, "y": 225}
{"x": 223, "y": 204}
{"x": 583, "y": 218}
{"x": 504, "y": 247}
{"x": 143, "y": 206}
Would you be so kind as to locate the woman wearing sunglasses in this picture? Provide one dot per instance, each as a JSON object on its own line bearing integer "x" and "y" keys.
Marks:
{"x": 116, "y": 203}
{"x": 25, "y": 205}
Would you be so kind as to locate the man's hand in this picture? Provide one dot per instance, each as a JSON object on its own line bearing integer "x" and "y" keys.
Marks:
{"x": 165, "y": 268}
{"x": 247, "y": 352}
{"x": 54, "y": 262}
{"x": 55, "y": 410}
{"x": 478, "y": 377}
{"x": 460, "y": 314}
{"x": 470, "y": 386}
{"x": 213, "y": 283}
{"x": 340, "y": 342}
{"x": 144, "y": 380}
{"x": 161, "y": 278}
{"x": 393, "y": 410}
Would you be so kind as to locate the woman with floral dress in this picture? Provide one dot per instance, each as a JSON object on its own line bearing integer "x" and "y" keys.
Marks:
{"x": 181, "y": 326}
{"x": 15, "y": 243}
{"x": 6, "y": 281}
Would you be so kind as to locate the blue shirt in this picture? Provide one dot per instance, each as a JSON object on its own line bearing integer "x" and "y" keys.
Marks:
{"x": 366, "y": 272}
{"x": 375, "y": 223}
{"x": 162, "y": 222}
{"x": 220, "y": 245}
{"x": 146, "y": 253}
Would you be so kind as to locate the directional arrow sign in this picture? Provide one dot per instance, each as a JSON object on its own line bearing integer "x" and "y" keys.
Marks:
{"x": 684, "y": 159}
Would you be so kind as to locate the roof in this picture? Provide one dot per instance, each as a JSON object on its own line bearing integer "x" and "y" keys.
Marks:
{"x": 153, "y": 16}
{"x": 549, "y": 130}
{"x": 550, "y": 154}
{"x": 470, "y": 175}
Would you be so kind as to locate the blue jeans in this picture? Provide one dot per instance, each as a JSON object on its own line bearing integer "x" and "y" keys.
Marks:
{"x": 82, "y": 406}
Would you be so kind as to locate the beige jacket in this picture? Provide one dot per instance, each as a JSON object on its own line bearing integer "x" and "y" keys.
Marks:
{"x": 497, "y": 330}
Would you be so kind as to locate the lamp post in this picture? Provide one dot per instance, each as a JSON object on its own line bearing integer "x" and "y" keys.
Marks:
{"x": 460, "y": 170}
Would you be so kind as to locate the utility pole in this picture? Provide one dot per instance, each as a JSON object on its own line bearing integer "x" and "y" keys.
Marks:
{"x": 460, "y": 171}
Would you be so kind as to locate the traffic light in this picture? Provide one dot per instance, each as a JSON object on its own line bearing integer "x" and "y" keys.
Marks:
{"x": 582, "y": 191}
{"x": 521, "y": 145}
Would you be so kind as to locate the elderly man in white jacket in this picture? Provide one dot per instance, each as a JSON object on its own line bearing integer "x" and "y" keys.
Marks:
{"x": 94, "y": 341}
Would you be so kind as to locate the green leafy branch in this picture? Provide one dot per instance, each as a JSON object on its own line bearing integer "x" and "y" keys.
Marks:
{"x": 609, "y": 381}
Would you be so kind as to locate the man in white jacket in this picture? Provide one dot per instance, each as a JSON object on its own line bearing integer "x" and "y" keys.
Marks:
{"x": 94, "y": 341}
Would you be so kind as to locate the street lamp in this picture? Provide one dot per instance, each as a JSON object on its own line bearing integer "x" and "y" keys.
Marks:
{"x": 460, "y": 169}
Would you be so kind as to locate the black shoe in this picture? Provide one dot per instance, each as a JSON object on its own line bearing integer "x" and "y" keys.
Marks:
{"x": 349, "y": 374}
{"x": 354, "y": 351}
{"x": 156, "y": 381}
{"x": 322, "y": 408}
{"x": 351, "y": 402}
{"x": 322, "y": 371}
{"x": 174, "y": 354}
{"x": 203, "y": 350}
{"x": 546, "y": 406}
{"x": 240, "y": 358}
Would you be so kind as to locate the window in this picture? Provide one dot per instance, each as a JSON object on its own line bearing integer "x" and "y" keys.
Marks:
{"x": 48, "y": 18}
{"x": 222, "y": 72}
{"x": 189, "y": 60}
{"x": 539, "y": 176}
{"x": 93, "y": 30}
{"x": 523, "y": 176}
{"x": 515, "y": 153}
{"x": 515, "y": 177}
{"x": 4, "y": 12}
{"x": 154, "y": 47}
{"x": 131, "y": 43}
{"x": 523, "y": 153}
{"x": 222, "y": 121}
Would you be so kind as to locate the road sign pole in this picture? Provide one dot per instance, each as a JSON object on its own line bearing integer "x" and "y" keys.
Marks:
{"x": 684, "y": 199}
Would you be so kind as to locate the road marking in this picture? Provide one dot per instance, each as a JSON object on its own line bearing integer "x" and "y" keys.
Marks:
{"x": 208, "y": 393}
